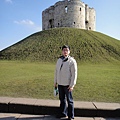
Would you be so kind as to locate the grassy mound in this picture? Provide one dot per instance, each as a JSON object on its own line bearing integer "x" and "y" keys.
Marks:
{"x": 45, "y": 46}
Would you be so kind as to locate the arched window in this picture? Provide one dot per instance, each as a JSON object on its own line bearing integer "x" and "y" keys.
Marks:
{"x": 66, "y": 9}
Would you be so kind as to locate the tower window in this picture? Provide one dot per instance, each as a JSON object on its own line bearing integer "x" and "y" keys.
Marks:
{"x": 86, "y": 22}
{"x": 66, "y": 9}
{"x": 74, "y": 23}
{"x": 80, "y": 9}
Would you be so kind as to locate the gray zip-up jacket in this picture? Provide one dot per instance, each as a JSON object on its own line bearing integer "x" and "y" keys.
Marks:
{"x": 66, "y": 72}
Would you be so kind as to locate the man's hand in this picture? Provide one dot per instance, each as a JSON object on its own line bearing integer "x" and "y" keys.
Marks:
{"x": 55, "y": 85}
{"x": 70, "y": 89}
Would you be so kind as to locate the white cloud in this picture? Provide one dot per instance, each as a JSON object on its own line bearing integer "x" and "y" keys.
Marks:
{"x": 25, "y": 22}
{"x": 29, "y": 24}
{"x": 9, "y": 1}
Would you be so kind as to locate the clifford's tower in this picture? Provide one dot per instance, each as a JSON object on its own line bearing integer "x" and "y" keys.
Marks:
{"x": 69, "y": 13}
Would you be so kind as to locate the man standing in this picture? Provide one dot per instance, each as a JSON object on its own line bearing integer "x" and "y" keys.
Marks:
{"x": 65, "y": 78}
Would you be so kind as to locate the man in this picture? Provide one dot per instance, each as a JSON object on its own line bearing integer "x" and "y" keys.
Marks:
{"x": 65, "y": 78}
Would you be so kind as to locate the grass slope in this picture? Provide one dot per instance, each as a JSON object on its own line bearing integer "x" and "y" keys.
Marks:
{"x": 45, "y": 46}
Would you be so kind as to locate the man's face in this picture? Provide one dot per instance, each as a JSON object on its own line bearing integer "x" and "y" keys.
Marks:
{"x": 65, "y": 52}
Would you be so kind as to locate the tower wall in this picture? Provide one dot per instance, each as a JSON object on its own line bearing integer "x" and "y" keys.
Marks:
{"x": 59, "y": 14}
{"x": 75, "y": 15}
{"x": 48, "y": 18}
{"x": 92, "y": 19}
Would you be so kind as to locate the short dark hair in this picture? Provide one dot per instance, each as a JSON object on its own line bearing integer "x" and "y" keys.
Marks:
{"x": 65, "y": 46}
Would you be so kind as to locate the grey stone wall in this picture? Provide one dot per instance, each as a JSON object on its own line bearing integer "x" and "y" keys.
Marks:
{"x": 69, "y": 13}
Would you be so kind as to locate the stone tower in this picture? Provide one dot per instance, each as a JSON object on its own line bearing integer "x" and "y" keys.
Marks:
{"x": 69, "y": 13}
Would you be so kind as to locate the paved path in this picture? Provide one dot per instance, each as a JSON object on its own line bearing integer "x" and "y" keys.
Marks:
{"x": 12, "y": 116}
{"x": 51, "y": 107}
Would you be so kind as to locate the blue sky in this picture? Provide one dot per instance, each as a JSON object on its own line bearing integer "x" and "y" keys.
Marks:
{"x": 21, "y": 18}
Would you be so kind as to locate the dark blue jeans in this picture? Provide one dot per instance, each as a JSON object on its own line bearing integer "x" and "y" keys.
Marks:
{"x": 63, "y": 95}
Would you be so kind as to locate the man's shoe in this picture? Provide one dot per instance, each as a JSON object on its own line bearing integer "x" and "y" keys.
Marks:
{"x": 70, "y": 118}
{"x": 61, "y": 116}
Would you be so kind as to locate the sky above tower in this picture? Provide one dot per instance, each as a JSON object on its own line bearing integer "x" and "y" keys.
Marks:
{"x": 21, "y": 18}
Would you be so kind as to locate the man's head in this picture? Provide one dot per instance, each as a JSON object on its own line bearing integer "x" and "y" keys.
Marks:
{"x": 65, "y": 50}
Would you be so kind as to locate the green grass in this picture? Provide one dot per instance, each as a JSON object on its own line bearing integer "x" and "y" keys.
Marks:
{"x": 96, "y": 82}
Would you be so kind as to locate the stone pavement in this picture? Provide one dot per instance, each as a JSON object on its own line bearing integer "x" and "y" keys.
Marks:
{"x": 51, "y": 107}
{"x": 13, "y": 116}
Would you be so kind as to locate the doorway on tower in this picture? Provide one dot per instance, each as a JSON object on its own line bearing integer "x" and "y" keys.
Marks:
{"x": 51, "y": 23}
{"x": 89, "y": 28}
{"x": 87, "y": 25}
